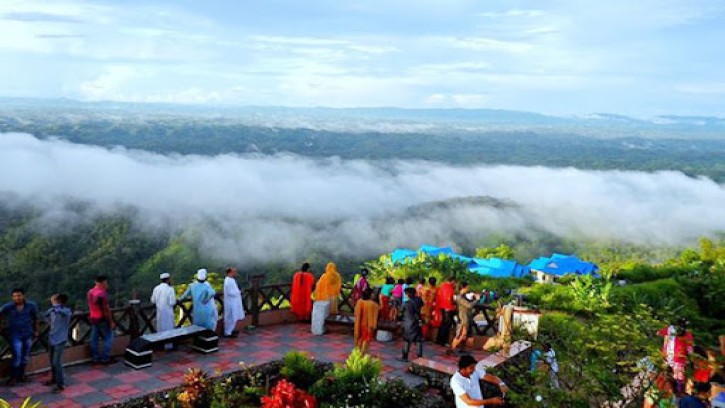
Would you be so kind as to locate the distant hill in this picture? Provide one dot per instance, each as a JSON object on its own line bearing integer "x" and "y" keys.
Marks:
{"x": 693, "y": 145}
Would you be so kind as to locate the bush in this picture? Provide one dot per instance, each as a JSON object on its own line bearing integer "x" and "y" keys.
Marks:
{"x": 350, "y": 384}
{"x": 664, "y": 296}
{"x": 299, "y": 368}
{"x": 646, "y": 273}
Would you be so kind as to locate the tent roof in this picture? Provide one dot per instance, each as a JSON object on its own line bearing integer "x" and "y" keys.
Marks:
{"x": 560, "y": 265}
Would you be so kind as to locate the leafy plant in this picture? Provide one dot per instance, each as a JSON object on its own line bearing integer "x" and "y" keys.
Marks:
{"x": 195, "y": 387}
{"x": 299, "y": 368}
{"x": 350, "y": 384}
{"x": 590, "y": 294}
{"x": 27, "y": 403}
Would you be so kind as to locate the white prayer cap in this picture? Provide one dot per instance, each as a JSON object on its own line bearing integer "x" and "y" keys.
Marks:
{"x": 201, "y": 274}
{"x": 164, "y": 275}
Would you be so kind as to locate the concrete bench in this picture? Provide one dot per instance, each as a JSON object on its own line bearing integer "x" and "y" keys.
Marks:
{"x": 139, "y": 353}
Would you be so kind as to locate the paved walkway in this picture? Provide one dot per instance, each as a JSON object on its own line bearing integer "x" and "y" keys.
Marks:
{"x": 91, "y": 386}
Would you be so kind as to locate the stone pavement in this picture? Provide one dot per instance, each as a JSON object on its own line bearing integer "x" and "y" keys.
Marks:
{"x": 95, "y": 386}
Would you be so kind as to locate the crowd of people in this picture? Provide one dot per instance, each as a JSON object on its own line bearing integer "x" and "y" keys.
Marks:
{"x": 21, "y": 319}
{"x": 424, "y": 310}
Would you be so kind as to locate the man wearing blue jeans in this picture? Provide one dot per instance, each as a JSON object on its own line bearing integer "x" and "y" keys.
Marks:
{"x": 102, "y": 323}
{"x": 22, "y": 318}
{"x": 59, "y": 316}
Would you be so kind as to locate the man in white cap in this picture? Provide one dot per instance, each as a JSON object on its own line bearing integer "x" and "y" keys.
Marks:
{"x": 164, "y": 298}
{"x": 204, "y": 307}
{"x": 233, "y": 308}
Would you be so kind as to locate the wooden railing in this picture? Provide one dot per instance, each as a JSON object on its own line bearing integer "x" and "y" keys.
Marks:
{"x": 136, "y": 318}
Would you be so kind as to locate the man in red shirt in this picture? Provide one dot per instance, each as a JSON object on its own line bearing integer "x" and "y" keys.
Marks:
{"x": 447, "y": 306}
{"x": 102, "y": 323}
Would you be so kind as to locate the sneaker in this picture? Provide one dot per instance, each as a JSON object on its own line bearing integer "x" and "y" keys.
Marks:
{"x": 11, "y": 382}
{"x": 24, "y": 379}
{"x": 58, "y": 389}
{"x": 403, "y": 359}
{"x": 49, "y": 382}
{"x": 109, "y": 361}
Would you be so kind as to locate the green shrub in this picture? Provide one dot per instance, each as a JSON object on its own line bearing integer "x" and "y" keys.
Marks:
{"x": 395, "y": 393}
{"x": 646, "y": 273}
{"x": 350, "y": 384}
{"x": 665, "y": 296}
{"x": 551, "y": 297}
{"x": 300, "y": 369}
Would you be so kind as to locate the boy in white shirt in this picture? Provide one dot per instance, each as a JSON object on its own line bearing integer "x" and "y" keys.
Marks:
{"x": 466, "y": 386}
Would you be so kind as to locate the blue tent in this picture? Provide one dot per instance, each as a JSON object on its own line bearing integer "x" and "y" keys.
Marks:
{"x": 400, "y": 255}
{"x": 560, "y": 265}
{"x": 499, "y": 268}
{"x": 494, "y": 267}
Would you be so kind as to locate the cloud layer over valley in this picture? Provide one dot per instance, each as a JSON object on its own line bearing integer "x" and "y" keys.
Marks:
{"x": 257, "y": 208}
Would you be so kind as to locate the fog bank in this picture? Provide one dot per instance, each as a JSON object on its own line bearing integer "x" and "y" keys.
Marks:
{"x": 259, "y": 208}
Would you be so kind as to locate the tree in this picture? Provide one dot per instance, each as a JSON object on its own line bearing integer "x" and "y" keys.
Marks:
{"x": 502, "y": 251}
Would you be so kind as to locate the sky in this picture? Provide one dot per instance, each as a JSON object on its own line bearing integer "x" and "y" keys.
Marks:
{"x": 564, "y": 57}
{"x": 255, "y": 208}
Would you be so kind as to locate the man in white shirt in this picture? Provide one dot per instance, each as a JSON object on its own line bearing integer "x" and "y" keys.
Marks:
{"x": 466, "y": 385}
{"x": 164, "y": 298}
{"x": 233, "y": 309}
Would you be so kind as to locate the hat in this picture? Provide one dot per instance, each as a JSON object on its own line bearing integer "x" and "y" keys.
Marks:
{"x": 164, "y": 275}
{"x": 201, "y": 274}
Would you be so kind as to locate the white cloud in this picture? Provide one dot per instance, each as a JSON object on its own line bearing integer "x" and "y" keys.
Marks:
{"x": 264, "y": 208}
{"x": 620, "y": 50}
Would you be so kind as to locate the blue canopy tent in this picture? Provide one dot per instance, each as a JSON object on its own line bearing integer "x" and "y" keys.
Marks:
{"x": 494, "y": 267}
{"x": 547, "y": 269}
{"x": 499, "y": 268}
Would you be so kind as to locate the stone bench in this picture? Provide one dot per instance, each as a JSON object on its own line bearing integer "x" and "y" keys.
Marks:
{"x": 139, "y": 353}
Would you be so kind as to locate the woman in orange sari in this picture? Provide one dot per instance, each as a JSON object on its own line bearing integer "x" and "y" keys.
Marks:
{"x": 366, "y": 321}
{"x": 300, "y": 300}
{"x": 329, "y": 287}
{"x": 429, "y": 305}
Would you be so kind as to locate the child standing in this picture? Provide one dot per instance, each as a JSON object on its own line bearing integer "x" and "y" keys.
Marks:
{"x": 59, "y": 316}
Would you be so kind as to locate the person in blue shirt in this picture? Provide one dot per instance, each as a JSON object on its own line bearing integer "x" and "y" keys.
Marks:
{"x": 59, "y": 316}
{"x": 203, "y": 306}
{"x": 22, "y": 316}
{"x": 699, "y": 397}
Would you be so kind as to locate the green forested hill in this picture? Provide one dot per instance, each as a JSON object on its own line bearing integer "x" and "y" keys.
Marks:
{"x": 521, "y": 147}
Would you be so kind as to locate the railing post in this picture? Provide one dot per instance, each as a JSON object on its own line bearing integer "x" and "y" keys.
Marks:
{"x": 256, "y": 281}
{"x": 134, "y": 328}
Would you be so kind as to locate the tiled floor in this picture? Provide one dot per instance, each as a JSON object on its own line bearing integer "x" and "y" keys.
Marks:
{"x": 96, "y": 386}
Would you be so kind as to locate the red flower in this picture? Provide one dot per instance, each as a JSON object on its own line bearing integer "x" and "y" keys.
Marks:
{"x": 286, "y": 395}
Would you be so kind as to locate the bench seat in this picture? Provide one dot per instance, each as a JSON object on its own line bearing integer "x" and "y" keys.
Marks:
{"x": 139, "y": 353}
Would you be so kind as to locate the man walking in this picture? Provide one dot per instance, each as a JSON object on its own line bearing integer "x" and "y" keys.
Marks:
{"x": 233, "y": 308}
{"x": 102, "y": 323}
{"x": 412, "y": 327}
{"x": 465, "y": 310}
{"x": 22, "y": 318}
{"x": 164, "y": 298}
{"x": 59, "y": 317}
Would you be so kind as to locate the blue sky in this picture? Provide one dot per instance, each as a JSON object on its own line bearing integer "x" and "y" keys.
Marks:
{"x": 641, "y": 58}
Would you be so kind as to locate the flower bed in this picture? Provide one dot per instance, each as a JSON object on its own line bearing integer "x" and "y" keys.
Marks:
{"x": 296, "y": 382}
